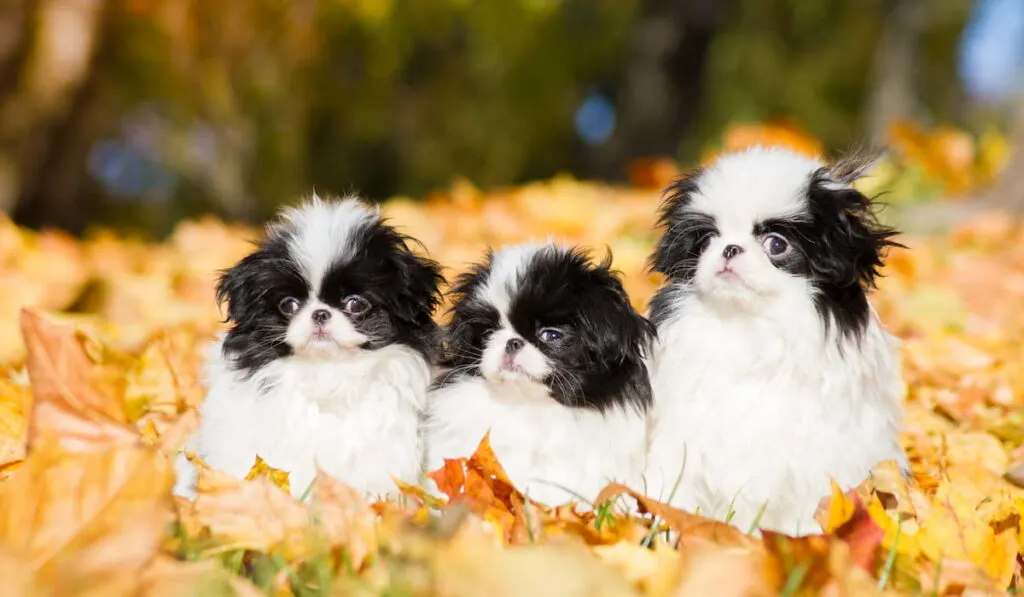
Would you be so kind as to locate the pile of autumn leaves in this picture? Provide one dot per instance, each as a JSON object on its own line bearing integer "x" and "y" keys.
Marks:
{"x": 103, "y": 387}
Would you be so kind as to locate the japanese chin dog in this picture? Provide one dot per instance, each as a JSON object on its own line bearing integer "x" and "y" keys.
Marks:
{"x": 771, "y": 373}
{"x": 328, "y": 357}
{"x": 545, "y": 352}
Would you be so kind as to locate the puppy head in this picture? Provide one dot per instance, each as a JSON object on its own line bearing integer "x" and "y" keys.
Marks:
{"x": 546, "y": 316}
{"x": 330, "y": 279}
{"x": 768, "y": 225}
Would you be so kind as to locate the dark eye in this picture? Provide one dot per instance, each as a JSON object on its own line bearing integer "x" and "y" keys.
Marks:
{"x": 549, "y": 335}
{"x": 288, "y": 305}
{"x": 703, "y": 240}
{"x": 774, "y": 244}
{"x": 355, "y": 305}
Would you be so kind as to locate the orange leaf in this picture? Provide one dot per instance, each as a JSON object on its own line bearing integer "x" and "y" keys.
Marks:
{"x": 67, "y": 404}
{"x": 481, "y": 483}
{"x": 685, "y": 523}
{"x": 91, "y": 519}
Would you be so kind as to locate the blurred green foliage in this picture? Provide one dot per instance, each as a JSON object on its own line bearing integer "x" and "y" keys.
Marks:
{"x": 248, "y": 104}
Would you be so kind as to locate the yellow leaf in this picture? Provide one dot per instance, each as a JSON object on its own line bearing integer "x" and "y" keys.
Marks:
{"x": 344, "y": 515}
{"x": 839, "y": 510}
{"x": 260, "y": 469}
{"x": 14, "y": 401}
{"x": 87, "y": 521}
{"x": 955, "y": 530}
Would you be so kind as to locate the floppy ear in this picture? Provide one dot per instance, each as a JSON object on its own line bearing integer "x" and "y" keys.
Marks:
{"x": 459, "y": 336}
{"x": 853, "y": 241}
{"x": 419, "y": 282}
{"x": 238, "y": 288}
{"x": 623, "y": 336}
{"x": 672, "y": 247}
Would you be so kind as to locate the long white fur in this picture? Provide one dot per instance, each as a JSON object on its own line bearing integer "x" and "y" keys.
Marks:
{"x": 552, "y": 453}
{"x": 756, "y": 406}
{"x": 353, "y": 413}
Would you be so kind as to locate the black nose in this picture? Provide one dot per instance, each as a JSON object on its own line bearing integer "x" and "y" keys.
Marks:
{"x": 513, "y": 345}
{"x": 731, "y": 251}
{"x": 320, "y": 316}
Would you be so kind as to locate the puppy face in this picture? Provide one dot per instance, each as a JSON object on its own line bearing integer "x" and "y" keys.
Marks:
{"x": 330, "y": 279}
{"x": 768, "y": 225}
{"x": 546, "y": 316}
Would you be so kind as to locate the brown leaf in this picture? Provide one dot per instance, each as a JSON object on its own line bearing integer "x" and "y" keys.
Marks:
{"x": 67, "y": 405}
{"x": 686, "y": 524}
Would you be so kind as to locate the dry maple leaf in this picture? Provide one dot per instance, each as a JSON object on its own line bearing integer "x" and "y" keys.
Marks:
{"x": 346, "y": 519}
{"x": 260, "y": 469}
{"x": 688, "y": 525}
{"x": 14, "y": 402}
{"x": 87, "y": 522}
{"x": 67, "y": 405}
{"x": 481, "y": 483}
{"x": 254, "y": 514}
{"x": 471, "y": 564}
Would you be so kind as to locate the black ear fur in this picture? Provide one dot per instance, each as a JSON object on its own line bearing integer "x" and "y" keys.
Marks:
{"x": 673, "y": 247}
{"x": 624, "y": 336}
{"x": 242, "y": 286}
{"x": 854, "y": 242}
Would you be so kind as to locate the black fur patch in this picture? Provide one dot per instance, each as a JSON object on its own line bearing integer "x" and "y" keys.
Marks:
{"x": 402, "y": 288}
{"x": 598, "y": 362}
{"x": 839, "y": 245}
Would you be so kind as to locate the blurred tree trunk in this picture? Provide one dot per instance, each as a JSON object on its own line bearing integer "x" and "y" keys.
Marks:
{"x": 48, "y": 89}
{"x": 894, "y": 96}
{"x": 661, "y": 89}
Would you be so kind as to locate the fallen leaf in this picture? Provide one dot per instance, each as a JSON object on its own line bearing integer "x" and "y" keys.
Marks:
{"x": 15, "y": 400}
{"x": 167, "y": 577}
{"x": 87, "y": 521}
{"x": 67, "y": 405}
{"x": 260, "y": 469}
{"x": 686, "y": 524}
{"x": 254, "y": 514}
{"x": 346, "y": 519}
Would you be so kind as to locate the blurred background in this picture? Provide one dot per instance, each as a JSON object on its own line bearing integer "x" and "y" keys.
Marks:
{"x": 138, "y": 113}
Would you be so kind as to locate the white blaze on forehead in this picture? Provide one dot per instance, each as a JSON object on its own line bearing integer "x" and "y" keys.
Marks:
{"x": 323, "y": 233}
{"x": 508, "y": 266}
{"x": 751, "y": 186}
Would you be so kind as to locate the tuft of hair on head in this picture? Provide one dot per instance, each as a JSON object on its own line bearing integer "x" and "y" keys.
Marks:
{"x": 854, "y": 229}
{"x": 854, "y": 165}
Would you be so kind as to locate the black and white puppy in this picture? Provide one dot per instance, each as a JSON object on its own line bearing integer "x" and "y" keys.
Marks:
{"x": 546, "y": 353}
{"x": 772, "y": 372}
{"x": 328, "y": 358}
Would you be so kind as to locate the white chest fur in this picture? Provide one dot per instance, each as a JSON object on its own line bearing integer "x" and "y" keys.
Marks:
{"x": 754, "y": 414}
{"x": 356, "y": 419}
{"x": 553, "y": 453}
